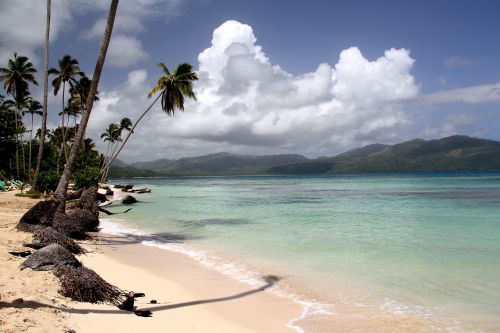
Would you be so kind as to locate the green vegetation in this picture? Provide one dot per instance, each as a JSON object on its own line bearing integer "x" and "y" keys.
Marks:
{"x": 454, "y": 153}
{"x": 18, "y": 152}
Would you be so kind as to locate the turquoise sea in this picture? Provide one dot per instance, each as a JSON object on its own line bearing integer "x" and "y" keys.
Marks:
{"x": 363, "y": 252}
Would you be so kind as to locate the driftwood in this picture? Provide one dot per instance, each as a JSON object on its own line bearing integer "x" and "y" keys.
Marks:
{"x": 40, "y": 215}
{"x": 128, "y": 303}
{"x": 84, "y": 285}
{"x": 47, "y": 236}
{"x": 111, "y": 213}
{"x": 143, "y": 313}
{"x": 129, "y": 200}
{"x": 68, "y": 226}
{"x": 48, "y": 257}
{"x": 22, "y": 254}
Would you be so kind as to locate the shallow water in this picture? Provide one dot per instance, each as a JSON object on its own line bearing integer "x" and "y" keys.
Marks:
{"x": 422, "y": 249}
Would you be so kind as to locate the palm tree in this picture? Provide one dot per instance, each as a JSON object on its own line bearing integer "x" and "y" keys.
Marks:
{"x": 43, "y": 127}
{"x": 79, "y": 94}
{"x": 172, "y": 87}
{"x": 110, "y": 135}
{"x": 67, "y": 72}
{"x": 114, "y": 132}
{"x": 62, "y": 187}
{"x": 17, "y": 76}
{"x": 34, "y": 108}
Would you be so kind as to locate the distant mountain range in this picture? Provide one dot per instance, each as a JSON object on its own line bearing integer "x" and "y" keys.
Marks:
{"x": 454, "y": 153}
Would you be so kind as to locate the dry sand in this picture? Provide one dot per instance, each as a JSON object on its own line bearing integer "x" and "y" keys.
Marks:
{"x": 190, "y": 297}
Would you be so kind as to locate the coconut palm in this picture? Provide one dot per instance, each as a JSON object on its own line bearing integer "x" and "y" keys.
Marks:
{"x": 110, "y": 135}
{"x": 66, "y": 73}
{"x": 43, "y": 127}
{"x": 33, "y": 108}
{"x": 125, "y": 124}
{"x": 17, "y": 77}
{"x": 62, "y": 187}
{"x": 172, "y": 87}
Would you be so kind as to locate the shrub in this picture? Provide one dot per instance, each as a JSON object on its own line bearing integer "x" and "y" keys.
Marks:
{"x": 86, "y": 177}
{"x": 47, "y": 181}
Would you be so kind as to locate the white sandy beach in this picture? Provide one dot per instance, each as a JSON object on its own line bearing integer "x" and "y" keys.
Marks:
{"x": 190, "y": 297}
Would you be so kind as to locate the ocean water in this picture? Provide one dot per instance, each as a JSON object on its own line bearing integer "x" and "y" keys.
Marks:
{"x": 380, "y": 253}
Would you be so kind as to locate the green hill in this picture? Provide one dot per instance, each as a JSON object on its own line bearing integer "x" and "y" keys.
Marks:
{"x": 454, "y": 153}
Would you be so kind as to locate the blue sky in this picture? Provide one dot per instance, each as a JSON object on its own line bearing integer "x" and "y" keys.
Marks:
{"x": 338, "y": 86}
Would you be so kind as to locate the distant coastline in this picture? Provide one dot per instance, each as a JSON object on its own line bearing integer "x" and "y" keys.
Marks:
{"x": 451, "y": 154}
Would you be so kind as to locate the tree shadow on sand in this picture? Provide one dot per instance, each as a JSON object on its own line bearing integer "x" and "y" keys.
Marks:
{"x": 270, "y": 280}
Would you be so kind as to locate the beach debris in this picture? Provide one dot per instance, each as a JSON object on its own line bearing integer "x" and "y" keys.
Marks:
{"x": 41, "y": 214}
{"x": 84, "y": 285}
{"x": 127, "y": 187}
{"x": 153, "y": 301}
{"x": 73, "y": 195}
{"x": 129, "y": 200}
{"x": 110, "y": 213}
{"x": 105, "y": 203}
{"x": 109, "y": 191}
{"x": 48, "y": 257}
{"x": 143, "y": 190}
{"x": 139, "y": 295}
{"x": 128, "y": 303}
{"x": 71, "y": 227}
{"x": 22, "y": 254}
{"x": 47, "y": 236}
{"x": 143, "y": 313}
{"x": 89, "y": 219}
{"x": 100, "y": 197}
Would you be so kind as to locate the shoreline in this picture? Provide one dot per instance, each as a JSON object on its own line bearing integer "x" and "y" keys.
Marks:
{"x": 190, "y": 296}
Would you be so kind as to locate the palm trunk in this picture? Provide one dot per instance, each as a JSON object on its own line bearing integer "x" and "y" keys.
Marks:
{"x": 62, "y": 125}
{"x": 31, "y": 139}
{"x": 23, "y": 154}
{"x": 45, "y": 97}
{"x": 62, "y": 187}
{"x": 16, "y": 136}
{"x": 113, "y": 157}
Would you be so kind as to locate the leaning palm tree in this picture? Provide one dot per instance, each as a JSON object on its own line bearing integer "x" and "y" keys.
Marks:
{"x": 172, "y": 87}
{"x": 16, "y": 77}
{"x": 33, "y": 108}
{"x": 67, "y": 72}
{"x": 62, "y": 187}
{"x": 43, "y": 127}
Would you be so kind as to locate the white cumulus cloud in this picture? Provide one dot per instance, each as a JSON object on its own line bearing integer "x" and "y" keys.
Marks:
{"x": 247, "y": 104}
{"x": 125, "y": 51}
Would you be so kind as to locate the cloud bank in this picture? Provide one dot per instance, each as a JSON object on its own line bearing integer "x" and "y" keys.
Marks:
{"x": 247, "y": 104}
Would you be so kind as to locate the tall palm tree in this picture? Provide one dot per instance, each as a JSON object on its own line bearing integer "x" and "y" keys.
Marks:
{"x": 67, "y": 72}
{"x": 16, "y": 77}
{"x": 33, "y": 108}
{"x": 62, "y": 187}
{"x": 43, "y": 127}
{"x": 172, "y": 87}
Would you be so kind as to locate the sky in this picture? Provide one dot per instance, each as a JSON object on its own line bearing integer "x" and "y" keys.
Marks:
{"x": 276, "y": 77}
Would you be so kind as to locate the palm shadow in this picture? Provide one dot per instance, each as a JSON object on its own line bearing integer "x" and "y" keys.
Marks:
{"x": 270, "y": 280}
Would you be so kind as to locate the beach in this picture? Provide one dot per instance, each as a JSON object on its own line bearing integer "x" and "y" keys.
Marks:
{"x": 189, "y": 297}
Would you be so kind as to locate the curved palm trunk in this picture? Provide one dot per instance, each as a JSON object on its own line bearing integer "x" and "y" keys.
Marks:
{"x": 45, "y": 97}
{"x": 114, "y": 155}
{"x": 62, "y": 187}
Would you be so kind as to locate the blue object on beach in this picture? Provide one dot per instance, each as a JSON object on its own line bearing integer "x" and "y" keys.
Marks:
{"x": 2, "y": 187}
